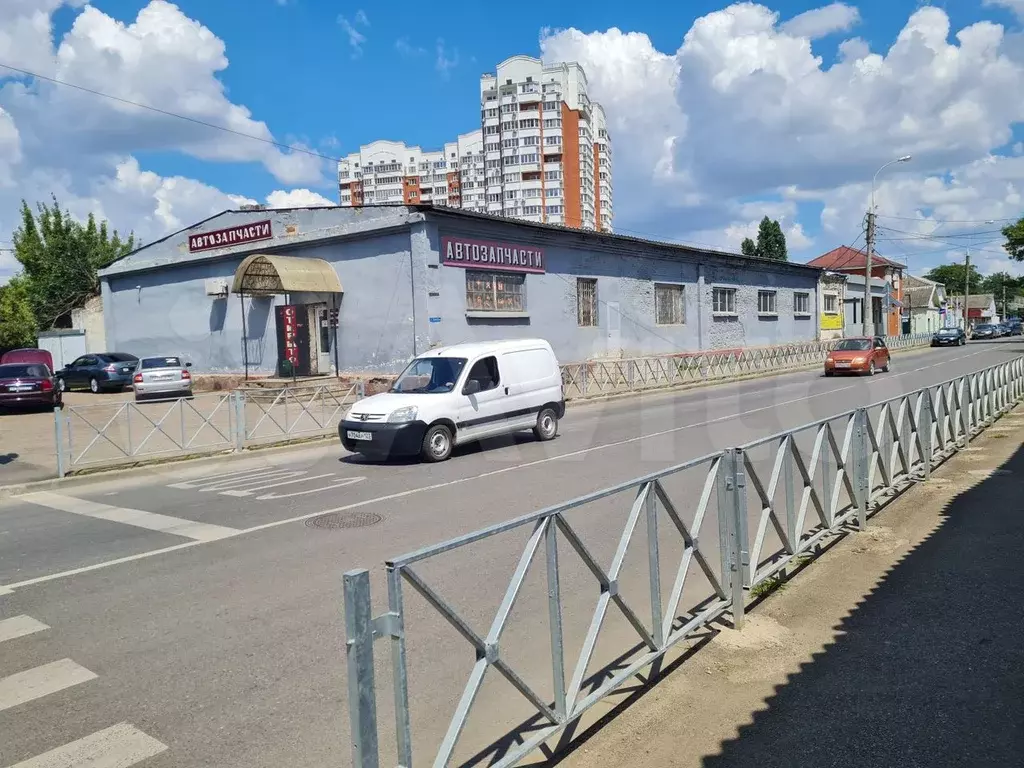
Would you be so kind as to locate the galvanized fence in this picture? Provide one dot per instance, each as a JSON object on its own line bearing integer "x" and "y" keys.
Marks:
{"x": 127, "y": 432}
{"x": 595, "y": 378}
{"x": 710, "y": 532}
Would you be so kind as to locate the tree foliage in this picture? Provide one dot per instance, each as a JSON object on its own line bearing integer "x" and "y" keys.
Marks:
{"x": 61, "y": 258}
{"x": 771, "y": 242}
{"x": 996, "y": 282}
{"x": 1014, "y": 245}
{"x": 17, "y": 320}
{"x": 953, "y": 277}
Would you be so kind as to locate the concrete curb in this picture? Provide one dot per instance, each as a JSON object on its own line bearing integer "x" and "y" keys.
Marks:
{"x": 90, "y": 477}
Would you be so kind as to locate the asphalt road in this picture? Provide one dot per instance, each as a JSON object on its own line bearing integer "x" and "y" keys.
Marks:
{"x": 196, "y": 612}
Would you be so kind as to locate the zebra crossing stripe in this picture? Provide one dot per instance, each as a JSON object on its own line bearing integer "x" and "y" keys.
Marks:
{"x": 119, "y": 746}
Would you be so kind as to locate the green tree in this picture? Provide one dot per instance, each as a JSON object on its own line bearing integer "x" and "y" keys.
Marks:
{"x": 997, "y": 281}
{"x": 17, "y": 320}
{"x": 1014, "y": 245}
{"x": 953, "y": 276}
{"x": 61, "y": 258}
{"x": 771, "y": 242}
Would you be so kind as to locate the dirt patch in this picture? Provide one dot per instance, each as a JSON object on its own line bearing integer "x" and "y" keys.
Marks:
{"x": 759, "y": 632}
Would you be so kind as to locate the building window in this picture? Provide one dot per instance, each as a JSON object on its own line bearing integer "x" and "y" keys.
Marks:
{"x": 802, "y": 303}
{"x": 831, "y": 304}
{"x": 723, "y": 301}
{"x": 586, "y": 302}
{"x": 766, "y": 303}
{"x": 495, "y": 292}
{"x": 668, "y": 304}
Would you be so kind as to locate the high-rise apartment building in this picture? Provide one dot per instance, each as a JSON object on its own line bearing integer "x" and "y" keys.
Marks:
{"x": 542, "y": 154}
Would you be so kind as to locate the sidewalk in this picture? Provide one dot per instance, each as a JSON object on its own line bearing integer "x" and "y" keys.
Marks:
{"x": 900, "y": 646}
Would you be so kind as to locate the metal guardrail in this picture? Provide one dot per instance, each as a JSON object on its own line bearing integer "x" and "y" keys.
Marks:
{"x": 595, "y": 378}
{"x": 93, "y": 436}
{"x": 773, "y": 501}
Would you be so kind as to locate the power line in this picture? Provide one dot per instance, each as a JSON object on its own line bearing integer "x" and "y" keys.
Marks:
{"x": 167, "y": 113}
{"x": 944, "y": 221}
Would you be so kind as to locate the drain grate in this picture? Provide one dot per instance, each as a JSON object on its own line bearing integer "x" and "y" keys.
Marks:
{"x": 337, "y": 520}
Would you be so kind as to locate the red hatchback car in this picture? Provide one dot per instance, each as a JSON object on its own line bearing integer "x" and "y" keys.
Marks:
{"x": 27, "y": 385}
{"x": 862, "y": 356}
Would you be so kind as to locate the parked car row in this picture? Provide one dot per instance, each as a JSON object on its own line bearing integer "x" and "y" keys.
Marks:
{"x": 27, "y": 376}
{"x": 997, "y": 330}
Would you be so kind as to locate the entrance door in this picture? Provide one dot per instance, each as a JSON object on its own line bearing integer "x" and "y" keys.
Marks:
{"x": 321, "y": 321}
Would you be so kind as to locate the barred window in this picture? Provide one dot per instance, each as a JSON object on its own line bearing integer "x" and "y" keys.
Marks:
{"x": 766, "y": 303}
{"x": 802, "y": 303}
{"x": 495, "y": 292}
{"x": 586, "y": 302}
{"x": 723, "y": 301}
{"x": 668, "y": 304}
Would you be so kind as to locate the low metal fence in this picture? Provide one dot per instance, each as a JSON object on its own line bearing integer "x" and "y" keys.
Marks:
{"x": 595, "y": 378}
{"x": 126, "y": 432}
{"x": 714, "y": 528}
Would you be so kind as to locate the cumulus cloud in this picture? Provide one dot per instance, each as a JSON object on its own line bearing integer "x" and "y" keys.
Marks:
{"x": 1017, "y": 6}
{"x": 298, "y": 198}
{"x": 820, "y": 22}
{"x": 745, "y": 109}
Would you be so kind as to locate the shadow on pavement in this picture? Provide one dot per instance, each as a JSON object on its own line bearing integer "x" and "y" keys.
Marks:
{"x": 929, "y": 669}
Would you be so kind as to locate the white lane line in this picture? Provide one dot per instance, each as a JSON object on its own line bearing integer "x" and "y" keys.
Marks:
{"x": 338, "y": 484}
{"x": 19, "y": 626}
{"x": 258, "y": 488}
{"x": 140, "y": 519}
{"x": 390, "y": 497}
{"x": 41, "y": 681}
{"x": 119, "y": 746}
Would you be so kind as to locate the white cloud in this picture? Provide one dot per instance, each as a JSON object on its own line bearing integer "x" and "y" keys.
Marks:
{"x": 820, "y": 22}
{"x": 297, "y": 198}
{"x": 1017, "y": 6}
{"x": 356, "y": 39}
{"x": 744, "y": 109}
{"x": 404, "y": 47}
{"x": 446, "y": 60}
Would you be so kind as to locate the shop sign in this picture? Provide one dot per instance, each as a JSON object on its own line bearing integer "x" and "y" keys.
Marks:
{"x": 222, "y": 238}
{"x": 484, "y": 254}
{"x": 831, "y": 322}
{"x": 289, "y": 322}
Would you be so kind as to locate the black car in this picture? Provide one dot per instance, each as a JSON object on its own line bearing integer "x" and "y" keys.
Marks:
{"x": 985, "y": 331}
{"x": 1016, "y": 328}
{"x": 100, "y": 372}
{"x": 949, "y": 337}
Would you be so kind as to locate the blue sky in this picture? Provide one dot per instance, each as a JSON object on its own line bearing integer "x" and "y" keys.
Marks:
{"x": 695, "y": 160}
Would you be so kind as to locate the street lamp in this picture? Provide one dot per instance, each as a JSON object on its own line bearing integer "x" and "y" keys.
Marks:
{"x": 867, "y": 312}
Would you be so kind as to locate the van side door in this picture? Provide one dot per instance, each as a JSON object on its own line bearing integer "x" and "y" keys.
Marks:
{"x": 482, "y": 402}
{"x": 534, "y": 380}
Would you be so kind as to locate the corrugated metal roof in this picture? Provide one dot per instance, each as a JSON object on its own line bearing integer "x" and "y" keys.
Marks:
{"x": 265, "y": 274}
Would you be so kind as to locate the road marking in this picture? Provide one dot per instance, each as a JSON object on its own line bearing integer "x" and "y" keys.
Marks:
{"x": 256, "y": 489}
{"x": 19, "y": 626}
{"x": 337, "y": 484}
{"x": 401, "y": 494}
{"x": 214, "y": 482}
{"x": 41, "y": 681}
{"x": 140, "y": 519}
{"x": 119, "y": 746}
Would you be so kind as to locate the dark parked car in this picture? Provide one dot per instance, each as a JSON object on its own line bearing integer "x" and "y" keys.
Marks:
{"x": 949, "y": 337}
{"x": 24, "y": 385}
{"x": 985, "y": 331}
{"x": 1016, "y": 328}
{"x": 101, "y": 372}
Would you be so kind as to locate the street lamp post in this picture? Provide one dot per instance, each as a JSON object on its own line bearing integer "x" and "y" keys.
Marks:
{"x": 868, "y": 309}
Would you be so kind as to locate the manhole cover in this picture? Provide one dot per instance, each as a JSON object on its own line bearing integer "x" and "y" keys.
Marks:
{"x": 335, "y": 520}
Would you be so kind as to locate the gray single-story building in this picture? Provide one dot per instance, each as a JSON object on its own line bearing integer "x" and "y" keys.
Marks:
{"x": 365, "y": 289}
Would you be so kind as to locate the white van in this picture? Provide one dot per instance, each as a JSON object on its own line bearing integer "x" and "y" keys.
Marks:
{"x": 455, "y": 395}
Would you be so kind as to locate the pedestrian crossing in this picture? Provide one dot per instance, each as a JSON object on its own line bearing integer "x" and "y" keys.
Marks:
{"x": 121, "y": 745}
{"x": 266, "y": 485}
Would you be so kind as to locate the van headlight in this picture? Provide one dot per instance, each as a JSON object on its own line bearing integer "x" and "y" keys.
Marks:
{"x": 403, "y": 415}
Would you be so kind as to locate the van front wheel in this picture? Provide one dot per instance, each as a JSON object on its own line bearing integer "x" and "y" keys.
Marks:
{"x": 547, "y": 425}
{"x": 437, "y": 444}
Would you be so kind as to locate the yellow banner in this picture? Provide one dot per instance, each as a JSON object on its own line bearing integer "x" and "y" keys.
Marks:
{"x": 831, "y": 322}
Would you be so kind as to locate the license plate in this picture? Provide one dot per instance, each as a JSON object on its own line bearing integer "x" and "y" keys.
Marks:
{"x": 842, "y": 365}
{"x": 359, "y": 435}
{"x": 20, "y": 388}
{"x": 126, "y": 370}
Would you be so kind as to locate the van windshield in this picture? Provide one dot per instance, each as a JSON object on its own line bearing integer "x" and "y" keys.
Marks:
{"x": 430, "y": 375}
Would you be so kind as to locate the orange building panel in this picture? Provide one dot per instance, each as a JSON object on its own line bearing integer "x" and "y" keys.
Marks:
{"x": 571, "y": 166}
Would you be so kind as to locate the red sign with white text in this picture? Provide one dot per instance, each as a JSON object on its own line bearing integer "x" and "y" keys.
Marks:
{"x": 223, "y": 238}
{"x": 289, "y": 321}
{"x": 483, "y": 254}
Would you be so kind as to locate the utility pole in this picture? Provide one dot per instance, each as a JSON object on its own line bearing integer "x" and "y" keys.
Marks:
{"x": 868, "y": 317}
{"x": 1004, "y": 301}
{"x": 967, "y": 290}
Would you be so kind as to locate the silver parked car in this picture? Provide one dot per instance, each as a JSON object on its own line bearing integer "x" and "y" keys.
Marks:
{"x": 162, "y": 377}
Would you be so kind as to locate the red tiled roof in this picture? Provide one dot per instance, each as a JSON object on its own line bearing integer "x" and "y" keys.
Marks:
{"x": 845, "y": 258}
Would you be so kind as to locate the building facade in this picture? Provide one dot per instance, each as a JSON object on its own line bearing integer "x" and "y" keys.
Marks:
{"x": 542, "y": 154}
{"x": 831, "y": 301}
{"x": 853, "y": 262}
{"x": 252, "y": 290}
{"x": 924, "y": 306}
